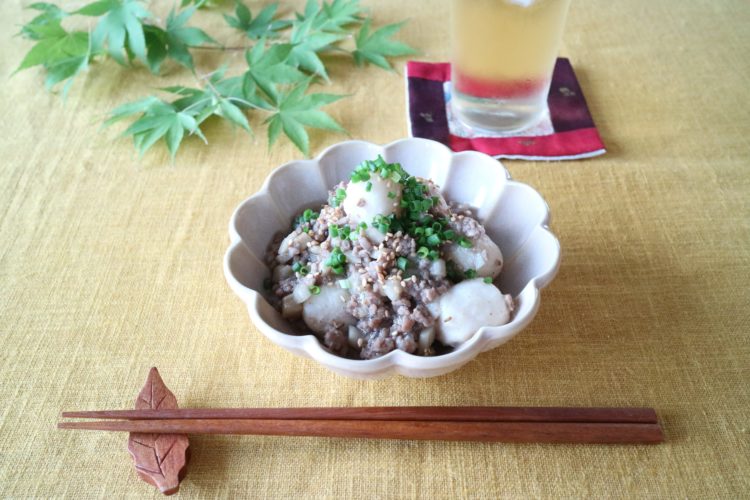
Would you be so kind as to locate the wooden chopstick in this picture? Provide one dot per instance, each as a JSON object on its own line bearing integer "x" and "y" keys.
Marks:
{"x": 385, "y": 413}
{"x": 509, "y": 432}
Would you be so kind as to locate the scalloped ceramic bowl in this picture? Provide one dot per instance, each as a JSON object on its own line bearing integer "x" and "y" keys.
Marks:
{"x": 514, "y": 215}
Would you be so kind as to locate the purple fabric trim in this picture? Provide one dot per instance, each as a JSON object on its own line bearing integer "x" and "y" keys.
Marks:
{"x": 427, "y": 110}
{"x": 567, "y": 107}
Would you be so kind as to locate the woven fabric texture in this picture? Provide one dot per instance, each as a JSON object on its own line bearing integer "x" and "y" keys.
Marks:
{"x": 110, "y": 265}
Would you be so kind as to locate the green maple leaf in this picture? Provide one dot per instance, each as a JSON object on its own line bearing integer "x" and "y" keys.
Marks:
{"x": 65, "y": 69}
{"x": 175, "y": 41}
{"x": 276, "y": 80}
{"x": 203, "y": 103}
{"x": 375, "y": 47}
{"x": 295, "y": 110}
{"x": 50, "y": 14}
{"x": 201, "y": 3}
{"x": 157, "y": 119}
{"x": 331, "y": 17}
{"x": 262, "y": 25}
{"x": 199, "y": 103}
{"x": 54, "y": 44}
{"x": 307, "y": 43}
{"x": 267, "y": 68}
{"x": 338, "y": 14}
{"x": 232, "y": 89}
{"x": 311, "y": 10}
{"x": 63, "y": 54}
{"x": 121, "y": 28}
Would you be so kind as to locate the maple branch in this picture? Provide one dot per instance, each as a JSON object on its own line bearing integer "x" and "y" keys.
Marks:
{"x": 222, "y": 48}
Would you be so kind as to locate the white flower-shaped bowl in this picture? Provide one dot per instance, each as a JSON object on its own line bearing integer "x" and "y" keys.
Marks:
{"x": 514, "y": 214}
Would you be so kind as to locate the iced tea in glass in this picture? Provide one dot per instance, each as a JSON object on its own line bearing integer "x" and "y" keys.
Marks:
{"x": 504, "y": 52}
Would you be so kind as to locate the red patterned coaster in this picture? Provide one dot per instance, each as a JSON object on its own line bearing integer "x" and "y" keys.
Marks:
{"x": 567, "y": 132}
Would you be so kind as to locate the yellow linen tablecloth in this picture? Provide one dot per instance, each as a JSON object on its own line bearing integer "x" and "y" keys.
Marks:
{"x": 110, "y": 265}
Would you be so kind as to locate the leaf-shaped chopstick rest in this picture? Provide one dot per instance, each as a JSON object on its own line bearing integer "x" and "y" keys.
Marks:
{"x": 160, "y": 459}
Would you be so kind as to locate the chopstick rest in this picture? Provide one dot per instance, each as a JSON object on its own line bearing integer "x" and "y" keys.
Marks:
{"x": 159, "y": 445}
{"x": 160, "y": 459}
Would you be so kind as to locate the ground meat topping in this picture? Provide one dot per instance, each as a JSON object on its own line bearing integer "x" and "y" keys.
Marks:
{"x": 388, "y": 280}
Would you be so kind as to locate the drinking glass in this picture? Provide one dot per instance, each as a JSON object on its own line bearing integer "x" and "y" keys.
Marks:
{"x": 504, "y": 52}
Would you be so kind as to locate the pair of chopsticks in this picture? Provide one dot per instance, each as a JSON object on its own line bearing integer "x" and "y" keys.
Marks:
{"x": 450, "y": 423}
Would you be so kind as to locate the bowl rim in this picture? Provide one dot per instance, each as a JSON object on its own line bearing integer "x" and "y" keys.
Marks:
{"x": 397, "y": 360}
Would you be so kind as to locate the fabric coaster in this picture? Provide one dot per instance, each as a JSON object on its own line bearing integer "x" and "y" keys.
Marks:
{"x": 566, "y": 133}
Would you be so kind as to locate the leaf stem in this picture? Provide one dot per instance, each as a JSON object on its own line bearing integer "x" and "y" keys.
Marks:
{"x": 221, "y": 48}
{"x": 196, "y": 104}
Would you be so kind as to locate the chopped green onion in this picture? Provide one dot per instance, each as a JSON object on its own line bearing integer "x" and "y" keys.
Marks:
{"x": 344, "y": 284}
{"x": 304, "y": 271}
{"x": 402, "y": 262}
{"x": 296, "y": 267}
{"x": 464, "y": 242}
{"x": 306, "y": 216}
{"x": 338, "y": 197}
{"x": 470, "y": 273}
{"x": 336, "y": 261}
{"x": 415, "y": 218}
{"x": 488, "y": 280}
{"x": 382, "y": 224}
{"x": 333, "y": 231}
{"x": 315, "y": 290}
